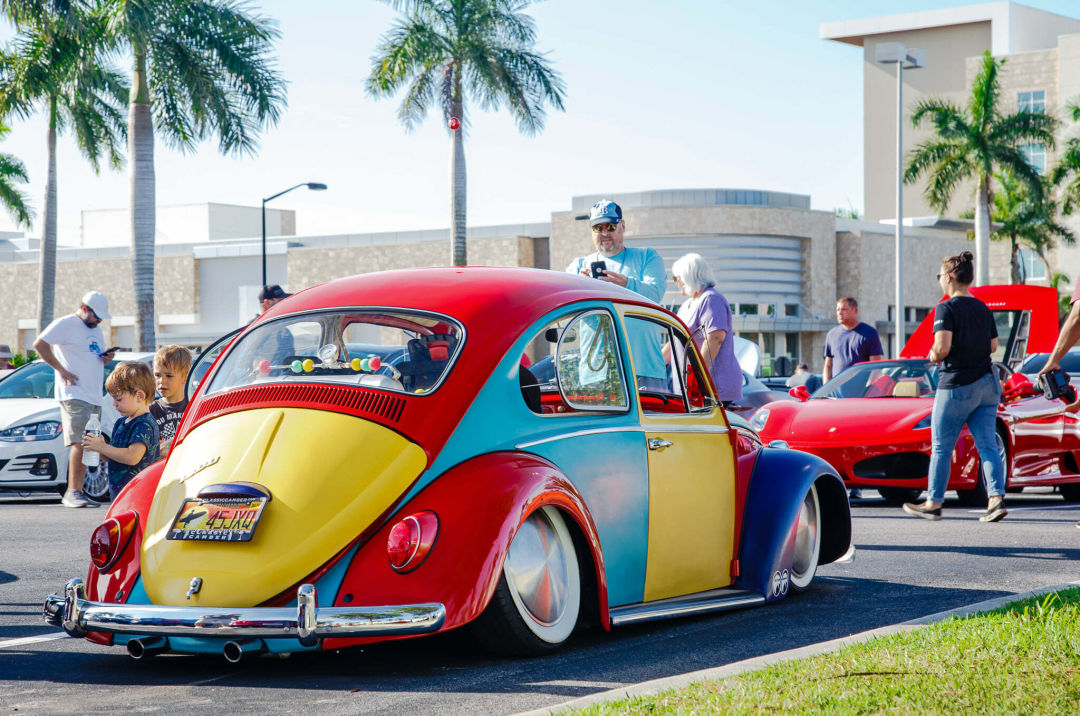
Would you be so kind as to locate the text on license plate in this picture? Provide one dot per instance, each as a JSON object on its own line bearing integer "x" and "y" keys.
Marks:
{"x": 218, "y": 519}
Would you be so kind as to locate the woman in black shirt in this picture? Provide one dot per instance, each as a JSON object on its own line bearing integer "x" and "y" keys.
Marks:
{"x": 967, "y": 392}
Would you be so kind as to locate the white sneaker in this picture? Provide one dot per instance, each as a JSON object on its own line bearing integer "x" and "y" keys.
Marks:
{"x": 75, "y": 498}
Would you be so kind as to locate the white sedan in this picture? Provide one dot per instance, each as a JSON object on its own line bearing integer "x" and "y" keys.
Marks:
{"x": 32, "y": 451}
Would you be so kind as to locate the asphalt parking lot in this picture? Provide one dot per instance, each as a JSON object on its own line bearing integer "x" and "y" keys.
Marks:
{"x": 905, "y": 568}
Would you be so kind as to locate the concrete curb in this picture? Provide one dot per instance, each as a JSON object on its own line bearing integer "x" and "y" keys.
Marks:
{"x": 656, "y": 686}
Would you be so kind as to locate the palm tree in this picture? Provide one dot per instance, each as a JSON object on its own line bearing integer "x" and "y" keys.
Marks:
{"x": 971, "y": 143}
{"x": 1067, "y": 171}
{"x": 200, "y": 68}
{"x": 451, "y": 49}
{"x": 51, "y": 66}
{"x": 1024, "y": 221}
{"x": 12, "y": 198}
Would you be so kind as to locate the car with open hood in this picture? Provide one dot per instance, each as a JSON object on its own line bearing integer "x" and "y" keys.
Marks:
{"x": 371, "y": 459}
{"x": 872, "y": 421}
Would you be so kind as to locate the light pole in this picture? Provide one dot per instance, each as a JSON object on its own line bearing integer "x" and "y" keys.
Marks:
{"x": 313, "y": 185}
{"x": 905, "y": 59}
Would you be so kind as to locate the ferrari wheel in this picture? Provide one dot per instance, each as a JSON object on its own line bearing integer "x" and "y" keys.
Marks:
{"x": 897, "y": 496}
{"x": 804, "y": 561}
{"x": 536, "y": 604}
{"x": 977, "y": 497}
{"x": 1070, "y": 492}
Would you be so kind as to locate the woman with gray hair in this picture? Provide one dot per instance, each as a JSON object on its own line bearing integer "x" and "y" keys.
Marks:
{"x": 708, "y": 315}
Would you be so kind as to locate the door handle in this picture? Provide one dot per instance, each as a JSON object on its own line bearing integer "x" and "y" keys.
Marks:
{"x": 658, "y": 444}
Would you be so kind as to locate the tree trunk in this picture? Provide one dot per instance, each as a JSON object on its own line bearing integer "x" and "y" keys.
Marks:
{"x": 141, "y": 153}
{"x": 47, "y": 251}
{"x": 457, "y": 174}
{"x": 982, "y": 232}
{"x": 1014, "y": 261}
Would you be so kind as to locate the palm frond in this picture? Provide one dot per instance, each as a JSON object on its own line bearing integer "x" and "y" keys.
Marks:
{"x": 14, "y": 200}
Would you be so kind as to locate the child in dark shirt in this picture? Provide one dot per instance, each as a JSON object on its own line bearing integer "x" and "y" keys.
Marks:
{"x": 171, "y": 366}
{"x": 134, "y": 436}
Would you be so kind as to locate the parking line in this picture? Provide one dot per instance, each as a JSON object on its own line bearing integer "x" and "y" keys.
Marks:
{"x": 9, "y": 643}
{"x": 1034, "y": 508}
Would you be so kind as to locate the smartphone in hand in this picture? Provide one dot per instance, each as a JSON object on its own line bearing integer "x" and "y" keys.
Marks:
{"x": 598, "y": 268}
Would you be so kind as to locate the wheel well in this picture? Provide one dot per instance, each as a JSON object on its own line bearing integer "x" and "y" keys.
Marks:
{"x": 835, "y": 518}
{"x": 590, "y": 596}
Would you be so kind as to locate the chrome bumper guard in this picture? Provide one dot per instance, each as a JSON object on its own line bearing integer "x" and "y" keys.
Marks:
{"x": 306, "y": 622}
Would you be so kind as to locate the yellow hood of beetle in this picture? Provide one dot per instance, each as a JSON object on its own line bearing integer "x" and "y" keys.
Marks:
{"x": 331, "y": 475}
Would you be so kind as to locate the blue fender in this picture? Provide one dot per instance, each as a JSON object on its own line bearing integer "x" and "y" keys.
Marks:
{"x": 780, "y": 480}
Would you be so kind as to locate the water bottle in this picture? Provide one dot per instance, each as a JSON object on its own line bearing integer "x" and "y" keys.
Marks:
{"x": 91, "y": 458}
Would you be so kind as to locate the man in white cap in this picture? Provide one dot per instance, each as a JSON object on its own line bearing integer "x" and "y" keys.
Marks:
{"x": 75, "y": 348}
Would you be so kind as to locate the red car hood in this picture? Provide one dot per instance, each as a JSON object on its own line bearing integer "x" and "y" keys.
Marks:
{"x": 847, "y": 421}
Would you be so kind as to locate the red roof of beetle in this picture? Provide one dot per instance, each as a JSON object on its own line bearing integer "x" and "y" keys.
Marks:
{"x": 495, "y": 304}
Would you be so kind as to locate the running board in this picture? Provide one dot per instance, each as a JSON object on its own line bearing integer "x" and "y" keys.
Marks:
{"x": 714, "y": 600}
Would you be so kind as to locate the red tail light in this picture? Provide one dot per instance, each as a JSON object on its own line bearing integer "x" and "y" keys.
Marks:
{"x": 111, "y": 538}
{"x": 411, "y": 539}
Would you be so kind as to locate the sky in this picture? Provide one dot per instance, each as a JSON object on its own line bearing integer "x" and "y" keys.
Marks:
{"x": 680, "y": 94}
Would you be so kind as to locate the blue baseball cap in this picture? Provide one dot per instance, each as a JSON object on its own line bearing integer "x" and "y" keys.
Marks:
{"x": 605, "y": 211}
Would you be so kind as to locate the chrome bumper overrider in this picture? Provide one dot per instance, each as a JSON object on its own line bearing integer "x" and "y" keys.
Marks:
{"x": 306, "y": 621}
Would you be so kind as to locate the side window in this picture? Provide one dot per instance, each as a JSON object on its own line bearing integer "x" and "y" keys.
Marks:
{"x": 696, "y": 386}
{"x": 587, "y": 364}
{"x": 572, "y": 365}
{"x": 667, "y": 373}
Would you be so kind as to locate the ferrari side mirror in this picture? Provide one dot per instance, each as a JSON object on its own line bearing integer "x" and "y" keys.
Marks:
{"x": 800, "y": 393}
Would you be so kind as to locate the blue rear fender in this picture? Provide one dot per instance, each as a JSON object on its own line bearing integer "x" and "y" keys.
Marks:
{"x": 780, "y": 481}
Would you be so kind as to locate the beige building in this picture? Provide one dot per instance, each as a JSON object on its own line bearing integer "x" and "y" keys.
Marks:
{"x": 780, "y": 264}
{"x": 1041, "y": 73}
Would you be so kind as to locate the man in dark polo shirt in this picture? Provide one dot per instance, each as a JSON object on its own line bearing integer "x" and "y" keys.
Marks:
{"x": 849, "y": 343}
{"x": 1070, "y": 334}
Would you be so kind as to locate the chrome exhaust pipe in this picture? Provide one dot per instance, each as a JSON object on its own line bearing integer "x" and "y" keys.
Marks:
{"x": 139, "y": 649}
{"x": 237, "y": 650}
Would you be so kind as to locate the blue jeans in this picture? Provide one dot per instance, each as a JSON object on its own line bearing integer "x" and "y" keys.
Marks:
{"x": 975, "y": 404}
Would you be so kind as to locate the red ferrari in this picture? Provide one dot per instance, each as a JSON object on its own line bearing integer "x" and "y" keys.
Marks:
{"x": 872, "y": 421}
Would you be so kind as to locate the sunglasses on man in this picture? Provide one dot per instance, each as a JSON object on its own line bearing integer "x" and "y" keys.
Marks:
{"x": 604, "y": 228}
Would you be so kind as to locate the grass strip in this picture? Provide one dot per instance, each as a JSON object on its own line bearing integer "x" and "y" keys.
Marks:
{"x": 1021, "y": 659}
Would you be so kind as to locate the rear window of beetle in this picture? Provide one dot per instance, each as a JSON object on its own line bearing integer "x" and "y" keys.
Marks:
{"x": 398, "y": 351}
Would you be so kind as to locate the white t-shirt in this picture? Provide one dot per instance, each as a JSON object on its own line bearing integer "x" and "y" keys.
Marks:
{"x": 78, "y": 348}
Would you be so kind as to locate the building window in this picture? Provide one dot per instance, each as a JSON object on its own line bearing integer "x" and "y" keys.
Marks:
{"x": 791, "y": 309}
{"x": 1036, "y": 156}
{"x": 791, "y": 346}
{"x": 1034, "y": 101}
{"x": 747, "y": 309}
{"x": 1031, "y": 266}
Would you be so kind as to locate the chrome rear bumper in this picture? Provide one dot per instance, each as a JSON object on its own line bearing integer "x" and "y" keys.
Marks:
{"x": 306, "y": 622}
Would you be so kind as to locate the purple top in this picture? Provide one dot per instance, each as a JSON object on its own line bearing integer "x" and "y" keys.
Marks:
{"x": 710, "y": 312}
{"x": 849, "y": 346}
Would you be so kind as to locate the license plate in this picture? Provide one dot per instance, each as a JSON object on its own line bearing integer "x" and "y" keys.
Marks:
{"x": 218, "y": 519}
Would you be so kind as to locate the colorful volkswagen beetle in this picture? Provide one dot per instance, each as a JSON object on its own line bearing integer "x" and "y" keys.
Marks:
{"x": 372, "y": 459}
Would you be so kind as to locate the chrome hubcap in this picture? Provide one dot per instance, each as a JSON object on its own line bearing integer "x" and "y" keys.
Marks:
{"x": 538, "y": 571}
{"x": 806, "y": 536}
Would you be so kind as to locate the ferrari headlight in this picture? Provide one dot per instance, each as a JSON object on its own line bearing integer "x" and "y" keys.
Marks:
{"x": 46, "y": 430}
{"x": 758, "y": 419}
{"x": 923, "y": 424}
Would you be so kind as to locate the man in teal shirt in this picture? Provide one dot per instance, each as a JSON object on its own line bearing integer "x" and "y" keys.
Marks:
{"x": 641, "y": 271}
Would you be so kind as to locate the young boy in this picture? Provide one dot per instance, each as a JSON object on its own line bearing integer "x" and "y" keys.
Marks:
{"x": 171, "y": 365}
{"x": 134, "y": 437}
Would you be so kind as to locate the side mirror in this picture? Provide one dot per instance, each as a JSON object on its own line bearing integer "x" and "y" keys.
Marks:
{"x": 800, "y": 393}
{"x": 551, "y": 335}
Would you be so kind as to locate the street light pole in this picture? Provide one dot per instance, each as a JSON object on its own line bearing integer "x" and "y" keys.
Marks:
{"x": 312, "y": 185}
{"x": 912, "y": 59}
